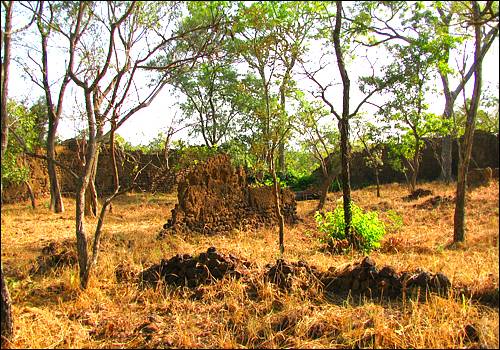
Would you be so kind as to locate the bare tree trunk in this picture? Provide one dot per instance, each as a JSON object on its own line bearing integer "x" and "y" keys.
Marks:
{"x": 56, "y": 203}
{"x": 281, "y": 157}
{"x": 31, "y": 194}
{"x": 346, "y": 176}
{"x": 466, "y": 148}
{"x": 277, "y": 203}
{"x": 378, "y": 182}
{"x": 7, "y": 324}
{"x": 324, "y": 189}
{"x": 91, "y": 202}
{"x": 344, "y": 126}
{"x": 323, "y": 195}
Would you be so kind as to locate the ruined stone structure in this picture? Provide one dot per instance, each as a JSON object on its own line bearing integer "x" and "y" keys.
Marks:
{"x": 215, "y": 197}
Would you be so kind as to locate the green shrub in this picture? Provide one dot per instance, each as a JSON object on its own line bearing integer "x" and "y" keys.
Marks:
{"x": 367, "y": 228}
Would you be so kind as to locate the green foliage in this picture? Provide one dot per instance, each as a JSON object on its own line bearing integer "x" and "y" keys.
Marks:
{"x": 367, "y": 227}
{"x": 29, "y": 125}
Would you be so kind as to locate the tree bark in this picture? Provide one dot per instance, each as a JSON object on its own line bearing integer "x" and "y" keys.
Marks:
{"x": 6, "y": 38}
{"x": 277, "y": 203}
{"x": 466, "y": 148}
{"x": 378, "y": 182}
{"x": 344, "y": 126}
{"x": 56, "y": 203}
{"x": 91, "y": 202}
{"x": 31, "y": 194}
{"x": 6, "y": 321}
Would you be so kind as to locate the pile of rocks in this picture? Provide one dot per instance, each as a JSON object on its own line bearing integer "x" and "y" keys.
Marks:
{"x": 214, "y": 197}
{"x": 54, "y": 255}
{"x": 282, "y": 273}
{"x": 192, "y": 271}
{"x": 360, "y": 278}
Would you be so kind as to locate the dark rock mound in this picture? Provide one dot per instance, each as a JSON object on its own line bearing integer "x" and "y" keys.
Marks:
{"x": 282, "y": 273}
{"x": 364, "y": 278}
{"x": 186, "y": 270}
{"x": 418, "y": 193}
{"x": 55, "y": 255}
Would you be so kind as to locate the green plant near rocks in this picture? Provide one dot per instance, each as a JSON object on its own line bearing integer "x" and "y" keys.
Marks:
{"x": 367, "y": 228}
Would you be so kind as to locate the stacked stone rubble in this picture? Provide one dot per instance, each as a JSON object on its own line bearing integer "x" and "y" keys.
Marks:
{"x": 214, "y": 197}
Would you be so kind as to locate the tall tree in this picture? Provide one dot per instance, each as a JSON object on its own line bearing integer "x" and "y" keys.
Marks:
{"x": 322, "y": 141}
{"x": 477, "y": 17}
{"x": 106, "y": 69}
{"x": 212, "y": 98}
{"x": 410, "y": 72}
{"x": 6, "y": 32}
{"x": 436, "y": 28}
{"x": 333, "y": 29}
{"x": 256, "y": 41}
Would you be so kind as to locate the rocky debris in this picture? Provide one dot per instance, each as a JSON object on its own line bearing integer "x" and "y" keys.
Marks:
{"x": 55, "y": 255}
{"x": 283, "y": 273}
{"x": 435, "y": 202}
{"x": 364, "y": 278}
{"x": 418, "y": 193}
{"x": 192, "y": 271}
{"x": 214, "y": 197}
{"x": 479, "y": 177}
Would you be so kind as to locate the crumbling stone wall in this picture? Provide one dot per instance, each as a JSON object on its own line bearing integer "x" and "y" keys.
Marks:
{"x": 215, "y": 197}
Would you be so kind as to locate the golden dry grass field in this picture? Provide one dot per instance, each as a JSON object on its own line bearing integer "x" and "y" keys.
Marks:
{"x": 51, "y": 312}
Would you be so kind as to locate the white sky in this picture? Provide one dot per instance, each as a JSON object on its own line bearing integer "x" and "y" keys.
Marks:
{"x": 145, "y": 125}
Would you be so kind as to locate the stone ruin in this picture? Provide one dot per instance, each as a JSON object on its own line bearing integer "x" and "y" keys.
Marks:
{"x": 215, "y": 197}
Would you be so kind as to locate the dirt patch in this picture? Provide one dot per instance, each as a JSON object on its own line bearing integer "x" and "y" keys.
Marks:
{"x": 418, "y": 193}
{"x": 435, "y": 202}
{"x": 54, "y": 255}
{"x": 192, "y": 271}
{"x": 214, "y": 197}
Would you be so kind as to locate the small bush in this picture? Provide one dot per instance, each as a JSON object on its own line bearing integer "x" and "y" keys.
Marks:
{"x": 367, "y": 227}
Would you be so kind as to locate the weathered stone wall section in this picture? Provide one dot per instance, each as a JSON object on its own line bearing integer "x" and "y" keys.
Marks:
{"x": 214, "y": 197}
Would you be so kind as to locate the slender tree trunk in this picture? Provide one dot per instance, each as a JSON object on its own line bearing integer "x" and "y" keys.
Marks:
{"x": 324, "y": 194}
{"x": 83, "y": 183}
{"x": 466, "y": 148}
{"x": 91, "y": 202}
{"x": 378, "y": 182}
{"x": 281, "y": 157}
{"x": 31, "y": 194}
{"x": 277, "y": 203}
{"x": 346, "y": 176}
{"x": 344, "y": 126}
{"x": 56, "y": 203}
{"x": 6, "y": 321}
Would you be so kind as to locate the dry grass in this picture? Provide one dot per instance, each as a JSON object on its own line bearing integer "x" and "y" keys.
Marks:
{"x": 51, "y": 312}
